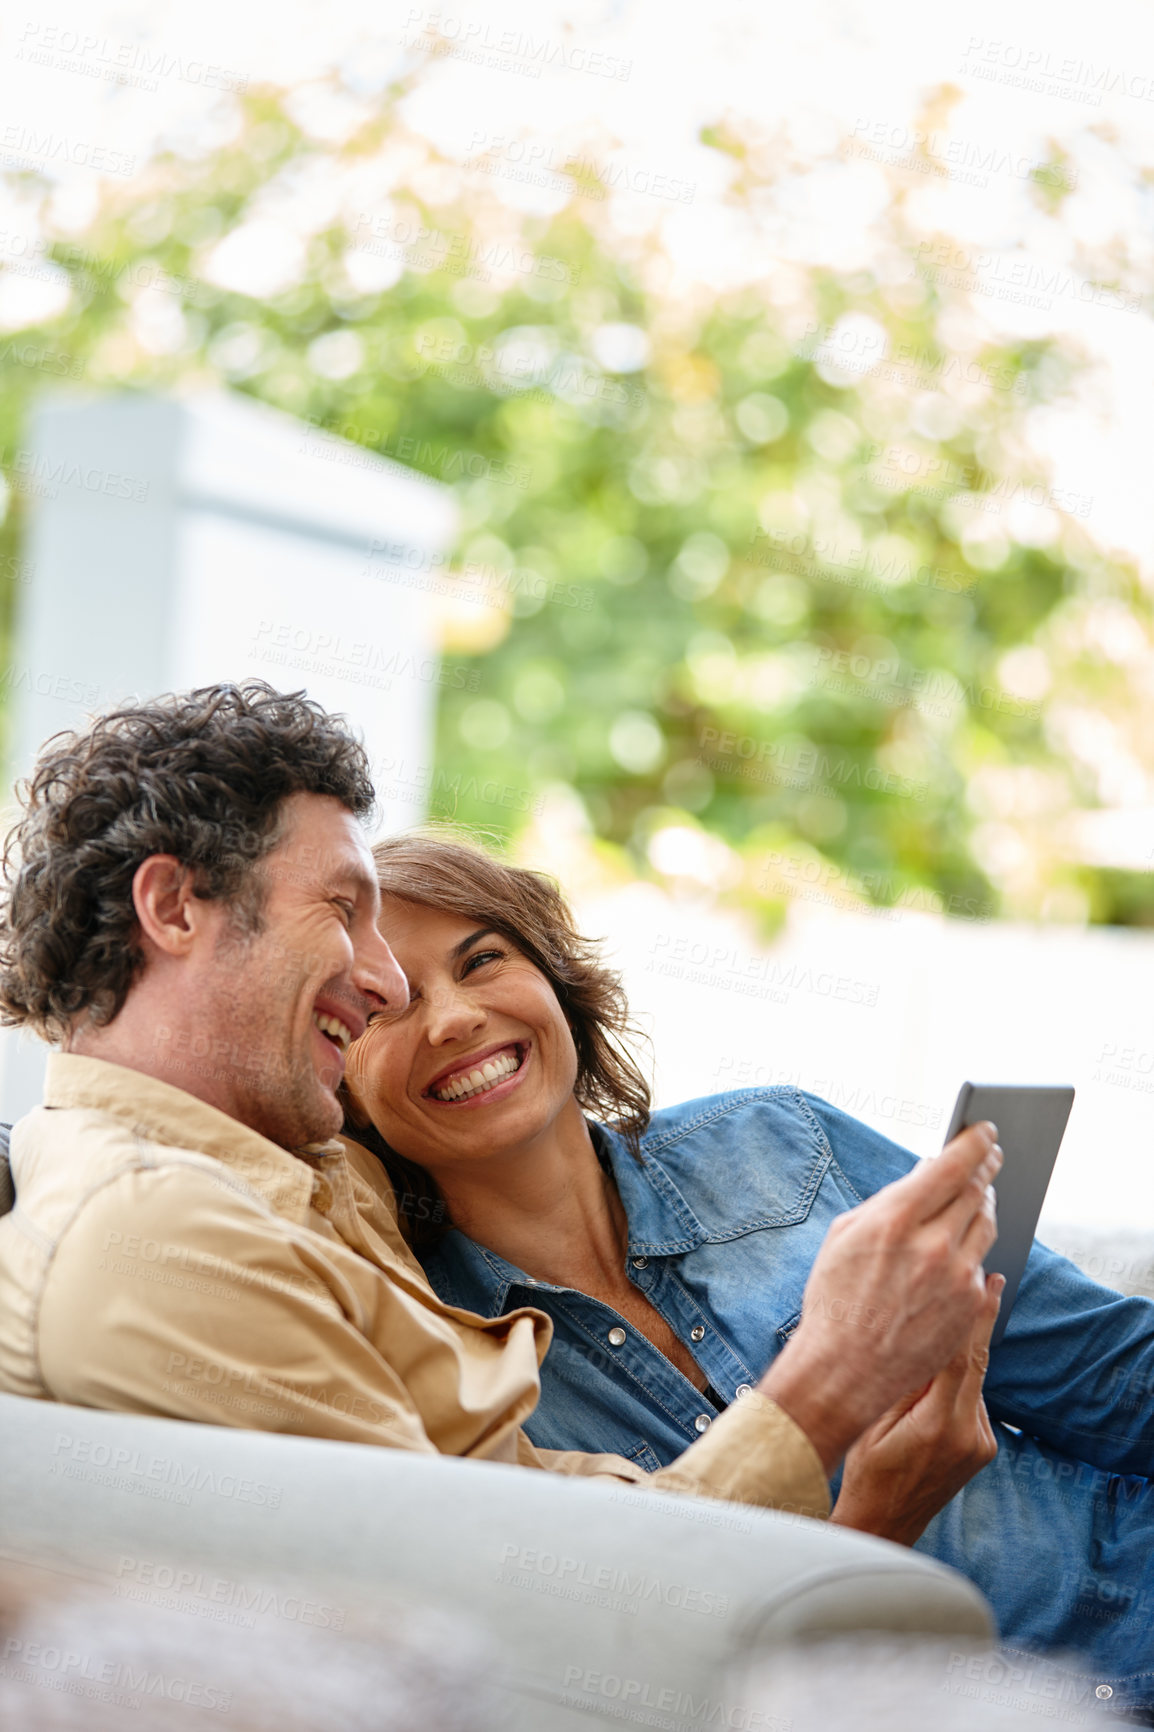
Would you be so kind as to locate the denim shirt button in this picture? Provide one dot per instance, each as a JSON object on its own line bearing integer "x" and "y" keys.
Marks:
{"x": 641, "y": 1262}
{"x": 617, "y": 1338}
{"x": 742, "y": 1390}
{"x": 702, "y": 1422}
{"x": 698, "y": 1333}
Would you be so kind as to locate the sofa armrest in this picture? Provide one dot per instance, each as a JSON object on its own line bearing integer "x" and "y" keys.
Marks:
{"x": 591, "y": 1595}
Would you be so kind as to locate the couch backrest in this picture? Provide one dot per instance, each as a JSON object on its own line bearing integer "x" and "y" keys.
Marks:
{"x": 7, "y": 1194}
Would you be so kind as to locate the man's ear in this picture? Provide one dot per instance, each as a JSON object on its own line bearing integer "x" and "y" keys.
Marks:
{"x": 170, "y": 913}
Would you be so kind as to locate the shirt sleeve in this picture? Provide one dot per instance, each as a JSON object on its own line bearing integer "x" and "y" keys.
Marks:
{"x": 1076, "y": 1366}
{"x": 753, "y": 1453}
{"x": 211, "y": 1309}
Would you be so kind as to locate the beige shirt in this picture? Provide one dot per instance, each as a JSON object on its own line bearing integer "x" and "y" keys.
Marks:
{"x": 164, "y": 1259}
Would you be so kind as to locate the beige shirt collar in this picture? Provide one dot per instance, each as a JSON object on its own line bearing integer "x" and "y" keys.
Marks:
{"x": 166, "y": 1114}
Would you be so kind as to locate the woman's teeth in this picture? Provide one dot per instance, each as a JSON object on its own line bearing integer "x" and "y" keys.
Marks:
{"x": 479, "y": 1081}
{"x": 334, "y": 1028}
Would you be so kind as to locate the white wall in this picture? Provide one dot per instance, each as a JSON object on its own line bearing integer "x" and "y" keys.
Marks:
{"x": 177, "y": 542}
{"x": 886, "y": 1016}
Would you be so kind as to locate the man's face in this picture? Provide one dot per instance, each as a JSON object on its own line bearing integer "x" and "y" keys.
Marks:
{"x": 285, "y": 1004}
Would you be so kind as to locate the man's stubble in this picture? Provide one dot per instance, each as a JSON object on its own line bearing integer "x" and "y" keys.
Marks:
{"x": 275, "y": 1087}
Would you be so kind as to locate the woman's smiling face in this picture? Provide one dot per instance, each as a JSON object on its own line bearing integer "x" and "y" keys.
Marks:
{"x": 481, "y": 1063}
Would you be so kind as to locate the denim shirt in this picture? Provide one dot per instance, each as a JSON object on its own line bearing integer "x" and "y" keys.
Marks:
{"x": 727, "y": 1209}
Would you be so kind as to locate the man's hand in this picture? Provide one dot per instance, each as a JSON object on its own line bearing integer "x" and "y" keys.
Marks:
{"x": 895, "y": 1292}
{"x": 920, "y": 1454}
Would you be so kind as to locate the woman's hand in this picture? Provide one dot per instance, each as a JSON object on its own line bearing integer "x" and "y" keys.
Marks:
{"x": 908, "y": 1465}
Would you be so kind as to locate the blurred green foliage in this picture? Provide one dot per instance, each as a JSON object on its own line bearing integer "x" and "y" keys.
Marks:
{"x": 771, "y": 564}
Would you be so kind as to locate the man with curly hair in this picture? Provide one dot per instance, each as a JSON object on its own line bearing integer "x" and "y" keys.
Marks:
{"x": 190, "y": 917}
{"x": 151, "y": 858}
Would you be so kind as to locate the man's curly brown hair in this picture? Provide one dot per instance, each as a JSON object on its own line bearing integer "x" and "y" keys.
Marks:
{"x": 201, "y": 775}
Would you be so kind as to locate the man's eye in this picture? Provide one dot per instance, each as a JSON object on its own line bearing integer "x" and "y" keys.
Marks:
{"x": 346, "y": 909}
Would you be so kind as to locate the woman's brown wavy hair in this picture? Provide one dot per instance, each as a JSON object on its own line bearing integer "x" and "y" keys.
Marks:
{"x": 529, "y": 909}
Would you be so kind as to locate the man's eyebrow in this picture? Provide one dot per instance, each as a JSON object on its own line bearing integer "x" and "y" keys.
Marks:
{"x": 349, "y": 871}
{"x": 459, "y": 950}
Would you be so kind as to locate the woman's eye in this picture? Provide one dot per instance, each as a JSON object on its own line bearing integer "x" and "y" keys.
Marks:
{"x": 481, "y": 957}
{"x": 347, "y": 910}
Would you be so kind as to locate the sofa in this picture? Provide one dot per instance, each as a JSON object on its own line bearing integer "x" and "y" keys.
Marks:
{"x": 597, "y": 1602}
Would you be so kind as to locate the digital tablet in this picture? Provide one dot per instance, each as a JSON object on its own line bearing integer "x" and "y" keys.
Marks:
{"x": 1031, "y": 1123}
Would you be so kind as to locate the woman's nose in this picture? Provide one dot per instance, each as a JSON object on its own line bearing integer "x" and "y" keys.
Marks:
{"x": 452, "y": 1011}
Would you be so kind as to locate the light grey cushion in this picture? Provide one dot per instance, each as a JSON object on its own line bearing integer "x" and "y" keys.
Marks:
{"x": 1119, "y": 1257}
{"x": 594, "y": 1596}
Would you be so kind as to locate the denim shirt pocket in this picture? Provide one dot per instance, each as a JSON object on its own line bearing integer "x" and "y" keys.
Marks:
{"x": 786, "y": 1329}
{"x": 641, "y": 1455}
{"x": 728, "y": 1166}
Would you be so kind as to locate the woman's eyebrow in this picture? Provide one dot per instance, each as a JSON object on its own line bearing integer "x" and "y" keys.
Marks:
{"x": 459, "y": 950}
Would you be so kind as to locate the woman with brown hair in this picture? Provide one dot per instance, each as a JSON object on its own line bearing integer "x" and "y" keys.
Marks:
{"x": 670, "y": 1247}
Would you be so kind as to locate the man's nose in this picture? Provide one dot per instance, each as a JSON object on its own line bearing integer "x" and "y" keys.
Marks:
{"x": 379, "y": 973}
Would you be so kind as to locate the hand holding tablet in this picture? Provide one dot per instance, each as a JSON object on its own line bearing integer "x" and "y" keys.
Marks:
{"x": 1031, "y": 1123}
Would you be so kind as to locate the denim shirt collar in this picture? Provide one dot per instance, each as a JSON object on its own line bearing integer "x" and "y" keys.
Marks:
{"x": 660, "y": 1221}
